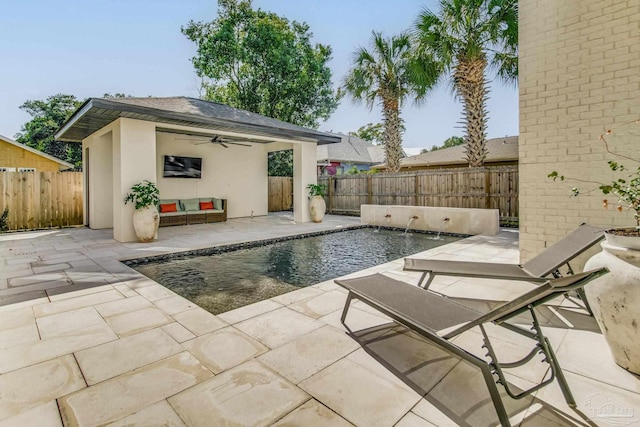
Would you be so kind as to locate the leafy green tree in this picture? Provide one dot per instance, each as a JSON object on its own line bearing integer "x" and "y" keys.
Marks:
{"x": 383, "y": 73}
{"x": 461, "y": 42}
{"x": 449, "y": 142}
{"x": 116, "y": 95}
{"x": 280, "y": 163}
{"x": 48, "y": 115}
{"x": 261, "y": 62}
{"x": 353, "y": 170}
{"x": 374, "y": 133}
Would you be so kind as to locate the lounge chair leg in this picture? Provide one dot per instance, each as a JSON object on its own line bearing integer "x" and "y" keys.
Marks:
{"x": 346, "y": 309}
{"x": 422, "y": 277}
{"x": 583, "y": 297}
{"x": 562, "y": 381}
{"x": 426, "y": 285}
{"x": 552, "y": 360}
{"x": 495, "y": 396}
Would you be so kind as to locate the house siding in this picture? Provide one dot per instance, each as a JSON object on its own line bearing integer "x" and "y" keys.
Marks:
{"x": 579, "y": 75}
{"x": 16, "y": 157}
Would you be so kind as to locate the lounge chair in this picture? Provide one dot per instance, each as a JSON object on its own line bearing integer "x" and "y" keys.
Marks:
{"x": 536, "y": 270}
{"x": 432, "y": 316}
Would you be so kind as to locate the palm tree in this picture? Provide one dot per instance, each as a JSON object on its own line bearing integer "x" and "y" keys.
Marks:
{"x": 462, "y": 41}
{"x": 383, "y": 73}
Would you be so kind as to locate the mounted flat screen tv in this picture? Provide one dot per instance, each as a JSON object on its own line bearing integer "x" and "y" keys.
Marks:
{"x": 182, "y": 167}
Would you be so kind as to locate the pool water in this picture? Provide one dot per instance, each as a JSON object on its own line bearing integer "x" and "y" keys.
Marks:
{"x": 226, "y": 281}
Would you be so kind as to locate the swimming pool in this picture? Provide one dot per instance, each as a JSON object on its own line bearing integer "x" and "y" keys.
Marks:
{"x": 222, "y": 282}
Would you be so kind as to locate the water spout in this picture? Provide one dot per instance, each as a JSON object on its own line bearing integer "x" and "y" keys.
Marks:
{"x": 387, "y": 217}
{"x": 413, "y": 218}
{"x": 445, "y": 221}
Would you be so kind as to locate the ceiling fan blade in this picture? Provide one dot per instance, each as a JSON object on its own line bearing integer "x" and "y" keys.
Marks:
{"x": 223, "y": 144}
{"x": 190, "y": 139}
{"x": 237, "y": 143}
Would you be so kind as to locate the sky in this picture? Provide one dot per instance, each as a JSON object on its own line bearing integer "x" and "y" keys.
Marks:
{"x": 89, "y": 48}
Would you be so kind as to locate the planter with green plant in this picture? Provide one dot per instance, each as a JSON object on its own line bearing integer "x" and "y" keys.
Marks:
{"x": 317, "y": 206}
{"x": 145, "y": 198}
{"x": 615, "y": 297}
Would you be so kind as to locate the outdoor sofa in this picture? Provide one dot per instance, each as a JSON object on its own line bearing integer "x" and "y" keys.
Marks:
{"x": 192, "y": 211}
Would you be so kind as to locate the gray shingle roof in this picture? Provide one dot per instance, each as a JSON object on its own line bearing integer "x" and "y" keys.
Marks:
{"x": 500, "y": 150}
{"x": 351, "y": 150}
{"x": 98, "y": 112}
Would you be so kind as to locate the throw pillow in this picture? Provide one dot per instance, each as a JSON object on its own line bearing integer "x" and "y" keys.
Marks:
{"x": 191, "y": 204}
{"x": 168, "y": 207}
{"x": 206, "y": 205}
{"x": 217, "y": 203}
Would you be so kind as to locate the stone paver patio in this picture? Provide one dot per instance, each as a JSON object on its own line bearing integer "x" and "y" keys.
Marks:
{"x": 85, "y": 340}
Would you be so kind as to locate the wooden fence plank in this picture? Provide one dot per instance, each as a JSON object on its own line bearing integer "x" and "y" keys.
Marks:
{"x": 41, "y": 199}
{"x": 488, "y": 187}
{"x": 280, "y": 193}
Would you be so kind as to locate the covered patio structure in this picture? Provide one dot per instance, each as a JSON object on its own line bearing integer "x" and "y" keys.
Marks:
{"x": 124, "y": 141}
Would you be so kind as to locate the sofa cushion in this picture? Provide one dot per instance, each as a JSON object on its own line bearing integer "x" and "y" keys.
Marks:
{"x": 206, "y": 205}
{"x": 206, "y": 199}
{"x": 179, "y": 207}
{"x": 217, "y": 204}
{"x": 168, "y": 207}
{"x": 209, "y": 211}
{"x": 172, "y": 213}
{"x": 191, "y": 204}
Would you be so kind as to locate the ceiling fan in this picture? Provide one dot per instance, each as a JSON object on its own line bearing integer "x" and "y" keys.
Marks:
{"x": 215, "y": 140}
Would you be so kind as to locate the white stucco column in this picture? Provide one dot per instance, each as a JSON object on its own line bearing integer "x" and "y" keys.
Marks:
{"x": 134, "y": 160}
{"x": 97, "y": 158}
{"x": 304, "y": 173}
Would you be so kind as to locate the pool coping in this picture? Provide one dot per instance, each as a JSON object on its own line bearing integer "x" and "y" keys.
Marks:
{"x": 232, "y": 247}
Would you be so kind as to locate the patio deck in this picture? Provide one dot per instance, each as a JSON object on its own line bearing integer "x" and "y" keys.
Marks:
{"x": 85, "y": 340}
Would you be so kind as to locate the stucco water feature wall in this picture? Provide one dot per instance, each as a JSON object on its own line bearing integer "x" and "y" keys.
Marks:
{"x": 446, "y": 220}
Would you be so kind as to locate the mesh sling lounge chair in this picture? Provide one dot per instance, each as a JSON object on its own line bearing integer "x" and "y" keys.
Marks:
{"x": 432, "y": 315}
{"x": 536, "y": 270}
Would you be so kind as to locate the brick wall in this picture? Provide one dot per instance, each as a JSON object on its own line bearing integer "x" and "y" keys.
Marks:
{"x": 579, "y": 75}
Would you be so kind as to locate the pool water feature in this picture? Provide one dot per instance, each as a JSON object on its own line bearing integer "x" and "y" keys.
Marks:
{"x": 230, "y": 280}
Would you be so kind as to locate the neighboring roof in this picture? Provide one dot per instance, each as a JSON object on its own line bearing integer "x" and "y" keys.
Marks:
{"x": 66, "y": 165}
{"x": 499, "y": 150}
{"x": 96, "y": 113}
{"x": 351, "y": 150}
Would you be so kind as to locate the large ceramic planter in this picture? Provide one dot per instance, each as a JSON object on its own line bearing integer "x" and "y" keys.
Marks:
{"x": 145, "y": 223}
{"x": 615, "y": 300}
{"x": 317, "y": 207}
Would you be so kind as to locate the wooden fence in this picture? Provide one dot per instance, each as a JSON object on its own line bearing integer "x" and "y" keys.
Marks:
{"x": 488, "y": 188}
{"x": 280, "y": 193}
{"x": 41, "y": 199}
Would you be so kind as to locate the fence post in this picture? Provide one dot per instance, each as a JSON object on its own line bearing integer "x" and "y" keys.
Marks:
{"x": 369, "y": 189}
{"x": 416, "y": 189}
{"x": 487, "y": 188}
{"x": 330, "y": 194}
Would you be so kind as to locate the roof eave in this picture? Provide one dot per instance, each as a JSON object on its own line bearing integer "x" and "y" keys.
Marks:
{"x": 77, "y": 115}
{"x": 320, "y": 138}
